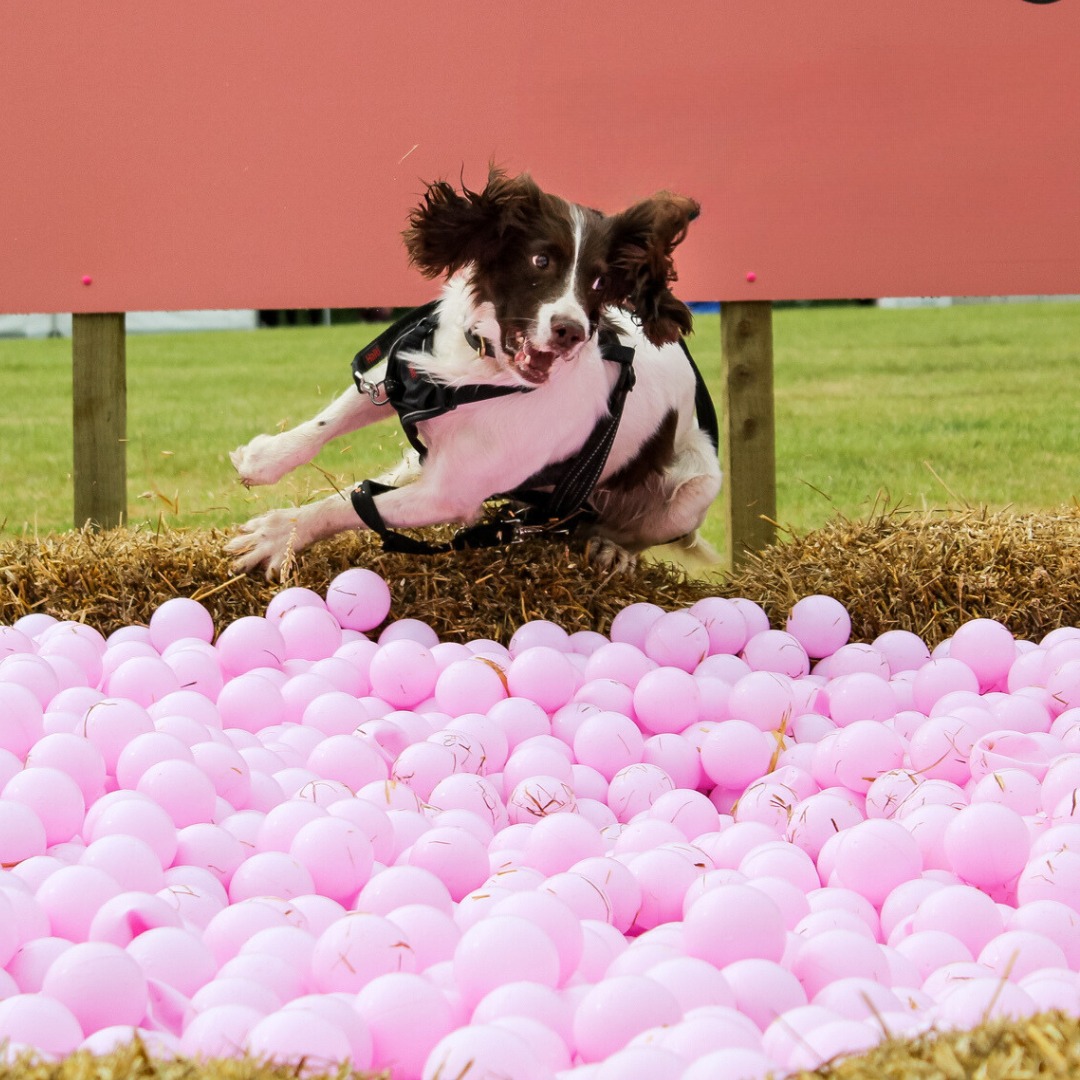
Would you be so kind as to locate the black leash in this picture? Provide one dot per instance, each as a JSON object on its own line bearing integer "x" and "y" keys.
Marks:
{"x": 415, "y": 397}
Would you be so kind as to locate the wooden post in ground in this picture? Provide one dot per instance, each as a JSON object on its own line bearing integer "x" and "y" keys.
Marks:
{"x": 749, "y": 452}
{"x": 99, "y": 419}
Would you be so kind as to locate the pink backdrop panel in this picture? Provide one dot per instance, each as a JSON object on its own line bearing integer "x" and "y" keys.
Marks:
{"x": 265, "y": 154}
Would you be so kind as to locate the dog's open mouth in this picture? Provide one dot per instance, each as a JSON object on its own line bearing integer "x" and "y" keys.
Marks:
{"x": 532, "y": 363}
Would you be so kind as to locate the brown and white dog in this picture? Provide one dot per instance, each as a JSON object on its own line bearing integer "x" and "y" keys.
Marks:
{"x": 534, "y": 278}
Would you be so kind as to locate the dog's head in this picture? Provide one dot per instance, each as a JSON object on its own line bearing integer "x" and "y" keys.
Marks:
{"x": 546, "y": 268}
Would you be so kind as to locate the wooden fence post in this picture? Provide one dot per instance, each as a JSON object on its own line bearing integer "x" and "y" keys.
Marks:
{"x": 749, "y": 452}
{"x": 99, "y": 419}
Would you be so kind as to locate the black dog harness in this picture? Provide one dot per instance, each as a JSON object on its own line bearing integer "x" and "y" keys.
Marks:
{"x": 416, "y": 397}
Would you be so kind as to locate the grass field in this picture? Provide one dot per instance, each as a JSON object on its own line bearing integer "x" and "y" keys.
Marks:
{"x": 965, "y": 405}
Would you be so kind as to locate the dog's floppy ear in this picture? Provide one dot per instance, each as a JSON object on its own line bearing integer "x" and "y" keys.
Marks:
{"x": 449, "y": 230}
{"x": 641, "y": 268}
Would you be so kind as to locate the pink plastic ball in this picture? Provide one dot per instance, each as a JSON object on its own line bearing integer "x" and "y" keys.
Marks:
{"x": 454, "y": 855}
{"x": 294, "y": 597}
{"x": 337, "y": 854}
{"x": 677, "y": 639}
{"x": 860, "y": 696}
{"x": 464, "y": 791}
{"x": 865, "y": 750}
{"x": 1014, "y": 788}
{"x": 875, "y": 856}
{"x": 250, "y": 702}
{"x": 129, "y": 861}
{"x": 939, "y": 677}
{"x": 903, "y": 650}
{"x": 133, "y": 813}
{"x": 941, "y": 747}
{"x": 300, "y": 1037}
{"x": 608, "y": 741}
{"x": 632, "y": 623}
{"x": 777, "y": 650}
{"x": 309, "y": 633}
{"x": 544, "y": 675}
{"x": 763, "y": 989}
{"x": 736, "y": 753}
{"x": 485, "y": 1050}
{"x": 270, "y": 873}
{"x": 501, "y": 949}
{"x": 180, "y": 788}
{"x": 820, "y": 816}
{"x": 537, "y": 796}
{"x": 614, "y": 1010}
{"x": 110, "y": 724}
{"x": 397, "y": 886}
{"x": 558, "y": 841}
{"x": 473, "y": 685}
{"x": 356, "y": 949}
{"x": 359, "y": 599}
{"x": 734, "y": 922}
{"x": 53, "y": 796}
{"x": 618, "y": 660}
{"x": 831, "y": 955}
{"x": 667, "y": 700}
{"x": 250, "y": 642}
{"x": 41, "y": 1022}
{"x": 1051, "y": 875}
{"x": 821, "y": 625}
{"x": 976, "y": 1001}
{"x": 635, "y": 788}
{"x": 724, "y": 622}
{"x": 71, "y": 896}
{"x": 406, "y": 1015}
{"x": 220, "y": 1031}
{"x": 987, "y": 844}
{"x": 963, "y": 911}
{"x": 403, "y": 673}
{"x": 179, "y": 618}
{"x": 174, "y": 956}
{"x": 1015, "y": 954}
{"x": 146, "y": 750}
{"x": 764, "y": 698}
{"x": 987, "y": 648}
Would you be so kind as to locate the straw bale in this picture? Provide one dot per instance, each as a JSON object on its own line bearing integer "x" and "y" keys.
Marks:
{"x": 929, "y": 572}
{"x": 924, "y": 572}
{"x": 118, "y": 577}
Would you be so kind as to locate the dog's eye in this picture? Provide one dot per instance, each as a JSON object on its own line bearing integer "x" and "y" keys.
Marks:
{"x": 540, "y": 261}
{"x": 599, "y": 284}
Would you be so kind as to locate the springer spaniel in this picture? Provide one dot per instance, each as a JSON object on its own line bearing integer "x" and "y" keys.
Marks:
{"x": 534, "y": 285}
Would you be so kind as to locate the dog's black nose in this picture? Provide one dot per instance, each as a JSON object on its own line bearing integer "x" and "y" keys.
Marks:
{"x": 566, "y": 333}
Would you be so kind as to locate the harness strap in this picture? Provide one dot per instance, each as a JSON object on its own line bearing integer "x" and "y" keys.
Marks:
{"x": 491, "y": 533}
{"x": 703, "y": 402}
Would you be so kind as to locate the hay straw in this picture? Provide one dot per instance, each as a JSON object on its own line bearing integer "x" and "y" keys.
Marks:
{"x": 116, "y": 578}
{"x": 927, "y": 573}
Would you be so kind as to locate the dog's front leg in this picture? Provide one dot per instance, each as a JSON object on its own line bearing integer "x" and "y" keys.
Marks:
{"x": 267, "y": 458}
{"x": 270, "y": 540}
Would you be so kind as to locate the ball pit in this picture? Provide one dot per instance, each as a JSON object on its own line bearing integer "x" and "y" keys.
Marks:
{"x": 697, "y": 846}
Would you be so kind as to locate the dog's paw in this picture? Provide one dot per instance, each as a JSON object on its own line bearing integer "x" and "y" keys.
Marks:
{"x": 607, "y": 557}
{"x": 268, "y": 542}
{"x": 261, "y": 461}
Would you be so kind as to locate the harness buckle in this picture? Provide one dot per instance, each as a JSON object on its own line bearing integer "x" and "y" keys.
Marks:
{"x": 376, "y": 391}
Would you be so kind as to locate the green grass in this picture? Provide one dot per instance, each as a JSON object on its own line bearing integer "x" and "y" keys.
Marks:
{"x": 912, "y": 408}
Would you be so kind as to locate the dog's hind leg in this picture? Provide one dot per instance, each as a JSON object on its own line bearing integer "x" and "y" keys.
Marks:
{"x": 267, "y": 458}
{"x": 668, "y": 508}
